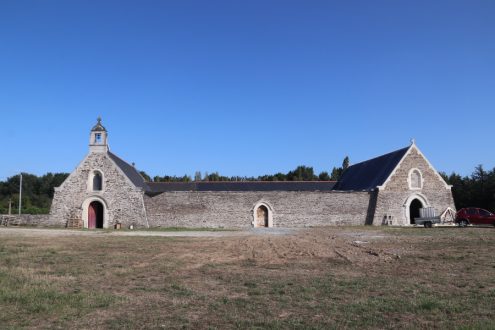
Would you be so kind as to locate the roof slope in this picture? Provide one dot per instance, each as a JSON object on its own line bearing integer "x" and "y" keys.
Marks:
{"x": 369, "y": 174}
{"x": 129, "y": 171}
{"x": 365, "y": 176}
{"x": 159, "y": 187}
{"x": 153, "y": 188}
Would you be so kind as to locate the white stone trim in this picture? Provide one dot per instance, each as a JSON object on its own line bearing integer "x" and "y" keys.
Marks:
{"x": 85, "y": 206}
{"x": 91, "y": 176}
{"x": 413, "y": 146}
{"x": 407, "y": 204}
{"x": 421, "y": 179}
{"x": 270, "y": 213}
{"x": 144, "y": 210}
{"x": 447, "y": 186}
{"x": 384, "y": 185}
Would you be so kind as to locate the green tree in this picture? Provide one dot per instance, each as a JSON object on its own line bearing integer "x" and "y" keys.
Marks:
{"x": 197, "y": 176}
{"x": 302, "y": 173}
{"x": 345, "y": 163}
{"x": 145, "y": 176}
{"x": 477, "y": 190}
{"x": 336, "y": 173}
{"x": 37, "y": 192}
{"x": 324, "y": 176}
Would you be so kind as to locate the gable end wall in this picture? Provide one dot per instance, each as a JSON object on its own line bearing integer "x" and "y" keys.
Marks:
{"x": 393, "y": 196}
{"x": 124, "y": 201}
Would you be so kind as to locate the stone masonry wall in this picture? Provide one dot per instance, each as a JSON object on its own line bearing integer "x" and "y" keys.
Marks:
{"x": 235, "y": 209}
{"x": 392, "y": 199}
{"x": 29, "y": 219}
{"x": 124, "y": 202}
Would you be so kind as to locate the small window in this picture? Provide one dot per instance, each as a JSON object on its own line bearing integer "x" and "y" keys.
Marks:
{"x": 98, "y": 138}
{"x": 97, "y": 182}
{"x": 415, "y": 179}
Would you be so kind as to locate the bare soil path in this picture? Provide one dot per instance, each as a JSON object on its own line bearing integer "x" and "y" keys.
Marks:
{"x": 50, "y": 232}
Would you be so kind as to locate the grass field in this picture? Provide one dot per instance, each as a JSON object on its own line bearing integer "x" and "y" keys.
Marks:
{"x": 318, "y": 278}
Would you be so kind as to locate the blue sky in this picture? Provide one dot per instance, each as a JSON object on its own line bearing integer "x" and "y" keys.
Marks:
{"x": 246, "y": 87}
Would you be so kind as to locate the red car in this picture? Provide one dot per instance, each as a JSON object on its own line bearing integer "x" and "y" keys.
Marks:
{"x": 474, "y": 216}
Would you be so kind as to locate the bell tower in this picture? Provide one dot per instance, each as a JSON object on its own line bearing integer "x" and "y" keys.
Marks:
{"x": 98, "y": 138}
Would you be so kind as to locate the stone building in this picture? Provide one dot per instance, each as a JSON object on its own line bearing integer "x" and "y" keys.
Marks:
{"x": 104, "y": 191}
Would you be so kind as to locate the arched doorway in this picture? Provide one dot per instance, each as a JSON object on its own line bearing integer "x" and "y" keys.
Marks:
{"x": 262, "y": 216}
{"x": 414, "y": 210}
{"x": 95, "y": 215}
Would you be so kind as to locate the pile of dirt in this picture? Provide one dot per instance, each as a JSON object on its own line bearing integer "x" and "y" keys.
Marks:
{"x": 308, "y": 245}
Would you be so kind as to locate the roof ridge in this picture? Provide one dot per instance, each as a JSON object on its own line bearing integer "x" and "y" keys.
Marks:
{"x": 114, "y": 155}
{"x": 298, "y": 181}
{"x": 369, "y": 174}
{"x": 384, "y": 155}
{"x": 136, "y": 178}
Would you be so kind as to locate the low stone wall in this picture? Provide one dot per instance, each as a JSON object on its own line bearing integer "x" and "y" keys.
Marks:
{"x": 236, "y": 209}
{"x": 29, "y": 220}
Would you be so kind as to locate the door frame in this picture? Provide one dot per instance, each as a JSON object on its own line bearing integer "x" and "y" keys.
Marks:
{"x": 254, "y": 210}
{"x": 407, "y": 205}
{"x": 85, "y": 210}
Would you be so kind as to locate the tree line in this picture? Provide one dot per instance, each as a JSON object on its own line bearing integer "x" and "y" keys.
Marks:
{"x": 477, "y": 189}
{"x": 300, "y": 173}
{"x": 37, "y": 192}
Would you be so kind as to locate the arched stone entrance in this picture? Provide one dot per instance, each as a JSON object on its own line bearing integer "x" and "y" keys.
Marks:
{"x": 95, "y": 215}
{"x": 262, "y": 215}
{"x": 414, "y": 210}
{"x": 411, "y": 208}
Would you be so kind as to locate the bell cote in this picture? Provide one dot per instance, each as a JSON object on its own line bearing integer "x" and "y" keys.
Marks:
{"x": 98, "y": 138}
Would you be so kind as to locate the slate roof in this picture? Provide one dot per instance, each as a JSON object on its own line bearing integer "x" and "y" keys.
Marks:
{"x": 159, "y": 187}
{"x": 369, "y": 174}
{"x": 130, "y": 171}
{"x": 364, "y": 176}
{"x": 154, "y": 188}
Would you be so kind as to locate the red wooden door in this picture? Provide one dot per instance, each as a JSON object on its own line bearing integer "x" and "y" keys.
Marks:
{"x": 91, "y": 216}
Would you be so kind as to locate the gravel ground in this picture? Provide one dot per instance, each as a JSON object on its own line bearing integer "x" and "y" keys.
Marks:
{"x": 48, "y": 232}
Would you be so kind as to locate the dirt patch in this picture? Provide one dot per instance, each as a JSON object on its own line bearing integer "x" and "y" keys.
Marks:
{"x": 50, "y": 232}
{"x": 264, "y": 245}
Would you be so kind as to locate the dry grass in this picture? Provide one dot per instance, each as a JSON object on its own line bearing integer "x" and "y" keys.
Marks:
{"x": 320, "y": 278}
